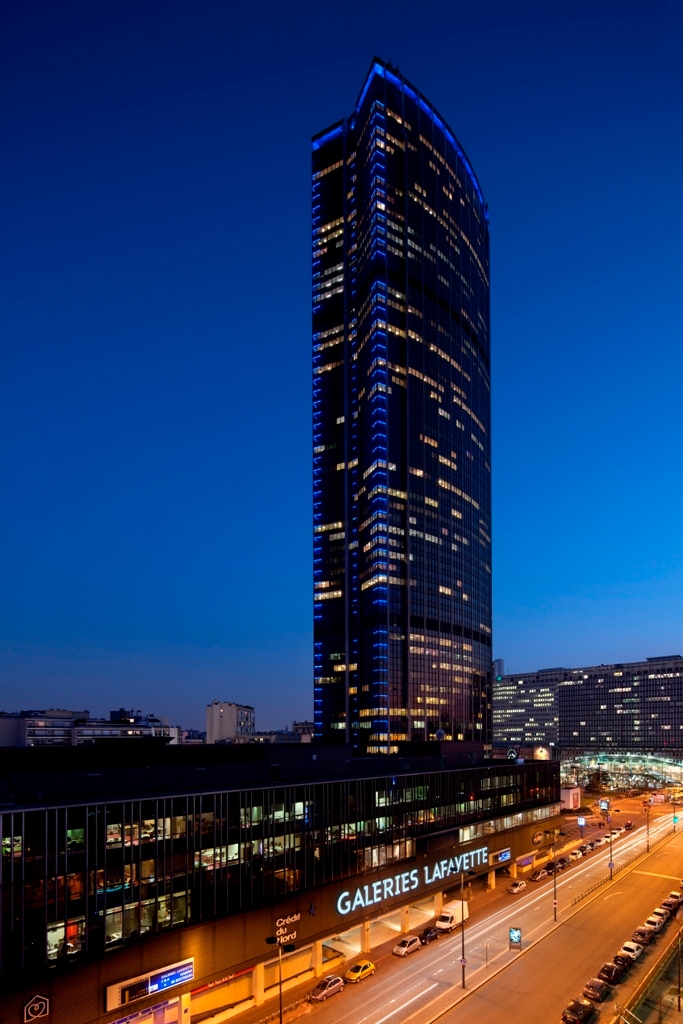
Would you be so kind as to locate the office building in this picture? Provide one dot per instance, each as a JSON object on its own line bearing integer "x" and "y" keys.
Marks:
{"x": 61, "y": 728}
{"x": 631, "y": 706}
{"x": 401, "y": 425}
{"x": 227, "y": 722}
{"x": 525, "y": 709}
{"x": 143, "y": 888}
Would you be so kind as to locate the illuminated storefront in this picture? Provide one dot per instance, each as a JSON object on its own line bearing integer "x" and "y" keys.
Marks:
{"x": 299, "y": 858}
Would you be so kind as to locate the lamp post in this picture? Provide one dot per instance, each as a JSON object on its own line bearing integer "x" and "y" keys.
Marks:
{"x": 647, "y": 824}
{"x": 462, "y": 926}
{"x": 289, "y": 948}
{"x": 554, "y": 835}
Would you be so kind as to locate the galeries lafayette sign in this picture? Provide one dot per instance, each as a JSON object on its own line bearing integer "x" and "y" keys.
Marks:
{"x": 404, "y": 882}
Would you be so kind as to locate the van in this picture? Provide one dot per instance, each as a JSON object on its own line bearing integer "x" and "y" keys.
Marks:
{"x": 452, "y": 914}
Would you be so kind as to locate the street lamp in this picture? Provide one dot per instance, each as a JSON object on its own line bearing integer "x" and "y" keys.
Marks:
{"x": 462, "y": 926}
{"x": 289, "y": 948}
{"x": 554, "y": 835}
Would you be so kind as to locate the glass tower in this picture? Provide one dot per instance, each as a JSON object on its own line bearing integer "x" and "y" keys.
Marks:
{"x": 401, "y": 427}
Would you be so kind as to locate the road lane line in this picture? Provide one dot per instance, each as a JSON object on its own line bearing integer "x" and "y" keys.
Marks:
{"x": 403, "y": 1005}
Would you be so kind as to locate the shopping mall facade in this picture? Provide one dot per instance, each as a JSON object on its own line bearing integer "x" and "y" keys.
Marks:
{"x": 139, "y": 884}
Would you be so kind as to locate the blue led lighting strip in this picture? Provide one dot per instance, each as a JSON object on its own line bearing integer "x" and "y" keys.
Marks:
{"x": 383, "y": 72}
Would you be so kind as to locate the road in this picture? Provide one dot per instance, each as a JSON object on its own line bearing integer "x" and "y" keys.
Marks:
{"x": 555, "y": 961}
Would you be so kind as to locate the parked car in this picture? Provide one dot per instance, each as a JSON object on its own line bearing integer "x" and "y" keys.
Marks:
{"x": 578, "y": 1011}
{"x": 625, "y": 960}
{"x": 644, "y": 935}
{"x": 632, "y": 949}
{"x": 612, "y": 972}
{"x": 628, "y": 825}
{"x": 539, "y": 875}
{"x": 597, "y": 990}
{"x": 519, "y": 885}
{"x": 326, "y": 987}
{"x": 408, "y": 944}
{"x": 585, "y": 849}
{"x": 654, "y": 922}
{"x": 600, "y": 841}
{"x": 361, "y": 969}
{"x": 575, "y": 855}
{"x": 661, "y": 912}
{"x": 428, "y": 935}
{"x": 674, "y": 895}
{"x": 564, "y": 862}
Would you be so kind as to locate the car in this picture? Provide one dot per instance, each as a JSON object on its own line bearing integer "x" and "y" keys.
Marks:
{"x": 578, "y": 1011}
{"x": 655, "y": 922}
{"x": 661, "y": 912}
{"x": 585, "y": 849}
{"x": 597, "y": 990}
{"x": 519, "y": 885}
{"x": 326, "y": 987}
{"x": 564, "y": 862}
{"x": 615, "y": 833}
{"x": 670, "y": 905}
{"x": 575, "y": 855}
{"x": 600, "y": 841}
{"x": 632, "y": 949}
{"x": 429, "y": 934}
{"x": 628, "y": 825}
{"x": 674, "y": 895}
{"x": 644, "y": 935}
{"x": 624, "y": 960}
{"x": 361, "y": 969}
{"x": 408, "y": 944}
{"x": 612, "y": 972}
{"x": 539, "y": 875}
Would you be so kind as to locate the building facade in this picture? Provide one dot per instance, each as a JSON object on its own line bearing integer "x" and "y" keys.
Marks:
{"x": 401, "y": 428}
{"x": 227, "y": 722}
{"x": 61, "y": 728}
{"x": 635, "y": 706}
{"x": 118, "y": 870}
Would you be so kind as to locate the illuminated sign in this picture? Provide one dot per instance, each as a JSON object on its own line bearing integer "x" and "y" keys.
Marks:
{"x": 581, "y": 822}
{"x": 374, "y": 893}
{"x": 500, "y": 857}
{"x": 516, "y": 937}
{"x": 128, "y": 991}
{"x": 35, "y": 1008}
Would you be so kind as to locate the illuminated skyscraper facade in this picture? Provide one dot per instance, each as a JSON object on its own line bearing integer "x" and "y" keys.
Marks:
{"x": 401, "y": 425}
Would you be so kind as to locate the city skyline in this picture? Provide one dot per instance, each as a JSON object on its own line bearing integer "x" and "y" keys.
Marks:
{"x": 154, "y": 411}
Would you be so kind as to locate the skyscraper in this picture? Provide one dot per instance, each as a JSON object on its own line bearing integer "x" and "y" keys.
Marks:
{"x": 401, "y": 427}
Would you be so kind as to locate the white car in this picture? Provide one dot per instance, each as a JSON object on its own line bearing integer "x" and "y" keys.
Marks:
{"x": 632, "y": 949}
{"x": 408, "y": 944}
{"x": 662, "y": 913}
{"x": 600, "y": 841}
{"x": 655, "y": 922}
{"x": 519, "y": 885}
{"x": 575, "y": 855}
{"x": 615, "y": 833}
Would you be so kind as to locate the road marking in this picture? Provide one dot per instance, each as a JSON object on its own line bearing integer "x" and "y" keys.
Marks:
{"x": 403, "y": 1005}
{"x": 654, "y": 874}
{"x": 610, "y": 894}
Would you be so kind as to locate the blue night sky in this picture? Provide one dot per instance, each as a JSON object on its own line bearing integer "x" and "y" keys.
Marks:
{"x": 155, "y": 466}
